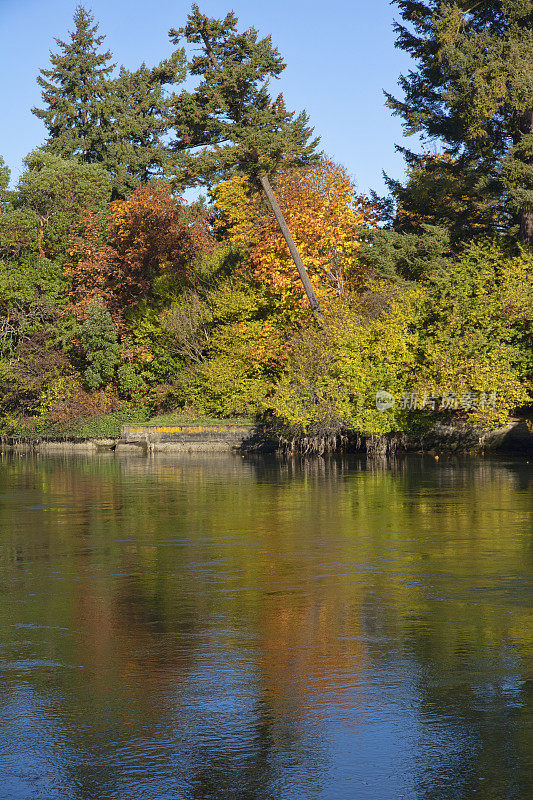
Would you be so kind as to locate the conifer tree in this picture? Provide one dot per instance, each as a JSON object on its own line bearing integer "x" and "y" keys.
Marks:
{"x": 472, "y": 91}
{"x": 230, "y": 124}
{"x": 140, "y": 117}
{"x": 75, "y": 93}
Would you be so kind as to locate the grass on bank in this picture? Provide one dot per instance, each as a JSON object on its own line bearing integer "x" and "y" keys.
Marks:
{"x": 107, "y": 426}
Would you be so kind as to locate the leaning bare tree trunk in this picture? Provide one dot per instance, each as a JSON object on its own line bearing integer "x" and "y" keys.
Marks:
{"x": 284, "y": 228}
{"x": 526, "y": 214}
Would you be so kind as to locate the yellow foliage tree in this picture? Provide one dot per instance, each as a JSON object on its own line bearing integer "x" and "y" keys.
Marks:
{"x": 323, "y": 211}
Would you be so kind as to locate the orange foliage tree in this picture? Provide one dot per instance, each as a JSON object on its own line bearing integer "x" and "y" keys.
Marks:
{"x": 115, "y": 257}
{"x": 323, "y": 211}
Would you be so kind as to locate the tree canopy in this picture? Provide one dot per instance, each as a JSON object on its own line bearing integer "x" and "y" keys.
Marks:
{"x": 120, "y": 122}
{"x": 472, "y": 93}
{"x": 119, "y": 297}
{"x": 230, "y": 124}
{"x": 140, "y": 106}
{"x": 75, "y": 94}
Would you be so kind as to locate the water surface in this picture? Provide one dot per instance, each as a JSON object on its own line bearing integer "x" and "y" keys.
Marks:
{"x": 219, "y": 627}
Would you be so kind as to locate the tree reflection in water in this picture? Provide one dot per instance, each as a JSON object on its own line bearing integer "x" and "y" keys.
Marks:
{"x": 212, "y": 627}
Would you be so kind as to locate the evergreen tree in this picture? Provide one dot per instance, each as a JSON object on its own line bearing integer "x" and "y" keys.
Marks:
{"x": 473, "y": 92}
{"x": 140, "y": 117}
{"x": 75, "y": 93}
{"x": 99, "y": 342}
{"x": 230, "y": 124}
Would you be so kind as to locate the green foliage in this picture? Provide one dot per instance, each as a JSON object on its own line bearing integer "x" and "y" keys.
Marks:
{"x": 33, "y": 296}
{"x": 129, "y": 382}
{"x": 237, "y": 377}
{"x": 54, "y": 191}
{"x": 98, "y": 339}
{"x": 410, "y": 256}
{"x": 466, "y": 328}
{"x": 472, "y": 90}
{"x": 74, "y": 93}
{"x": 476, "y": 323}
{"x": 233, "y": 348}
{"x": 98, "y": 426}
{"x": 230, "y": 124}
{"x": 31, "y": 280}
{"x": 440, "y": 192}
{"x": 37, "y": 364}
{"x": 34, "y": 291}
{"x": 19, "y": 232}
{"x": 140, "y": 111}
{"x": 192, "y": 322}
{"x": 118, "y": 123}
{"x": 5, "y": 175}
{"x": 107, "y": 425}
{"x": 225, "y": 260}
{"x": 334, "y": 371}
{"x": 189, "y": 418}
{"x": 151, "y": 354}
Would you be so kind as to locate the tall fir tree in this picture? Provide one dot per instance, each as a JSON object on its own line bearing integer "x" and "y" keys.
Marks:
{"x": 230, "y": 124}
{"x": 119, "y": 122}
{"x": 140, "y": 116}
{"x": 472, "y": 92}
{"x": 75, "y": 93}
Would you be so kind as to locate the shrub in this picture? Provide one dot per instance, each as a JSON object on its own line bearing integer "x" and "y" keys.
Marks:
{"x": 366, "y": 344}
{"x": 458, "y": 339}
{"x": 475, "y": 322}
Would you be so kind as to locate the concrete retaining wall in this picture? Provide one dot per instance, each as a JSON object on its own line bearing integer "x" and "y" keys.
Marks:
{"x": 183, "y": 438}
{"x": 143, "y": 439}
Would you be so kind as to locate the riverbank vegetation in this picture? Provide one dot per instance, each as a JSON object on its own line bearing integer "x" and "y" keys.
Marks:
{"x": 283, "y": 294}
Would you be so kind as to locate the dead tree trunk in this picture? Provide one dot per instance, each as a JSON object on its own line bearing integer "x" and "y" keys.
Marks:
{"x": 284, "y": 228}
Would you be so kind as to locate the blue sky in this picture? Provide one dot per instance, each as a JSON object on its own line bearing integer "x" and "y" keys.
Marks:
{"x": 340, "y": 56}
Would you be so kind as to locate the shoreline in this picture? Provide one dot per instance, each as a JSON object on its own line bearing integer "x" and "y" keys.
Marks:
{"x": 515, "y": 438}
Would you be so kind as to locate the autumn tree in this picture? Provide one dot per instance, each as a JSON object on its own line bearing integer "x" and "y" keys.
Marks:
{"x": 117, "y": 257}
{"x": 472, "y": 91}
{"x": 230, "y": 124}
{"x": 324, "y": 212}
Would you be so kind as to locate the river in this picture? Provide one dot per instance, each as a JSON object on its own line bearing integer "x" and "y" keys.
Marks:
{"x": 255, "y": 629}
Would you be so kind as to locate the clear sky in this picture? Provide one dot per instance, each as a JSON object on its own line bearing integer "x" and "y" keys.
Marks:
{"x": 340, "y": 56}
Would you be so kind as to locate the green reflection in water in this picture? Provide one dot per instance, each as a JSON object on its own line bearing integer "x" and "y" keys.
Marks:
{"x": 225, "y": 627}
